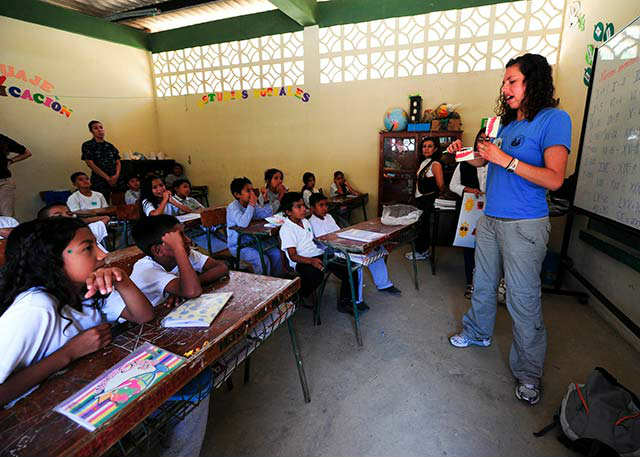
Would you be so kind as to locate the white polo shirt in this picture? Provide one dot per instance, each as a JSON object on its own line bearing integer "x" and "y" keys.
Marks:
{"x": 323, "y": 226}
{"x": 301, "y": 238}
{"x": 151, "y": 277}
{"x": 77, "y": 201}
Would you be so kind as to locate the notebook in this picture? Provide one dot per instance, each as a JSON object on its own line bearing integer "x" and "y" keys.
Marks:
{"x": 197, "y": 312}
{"x": 360, "y": 235}
{"x": 113, "y": 390}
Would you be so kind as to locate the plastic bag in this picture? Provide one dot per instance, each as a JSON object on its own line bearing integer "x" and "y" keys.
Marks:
{"x": 400, "y": 214}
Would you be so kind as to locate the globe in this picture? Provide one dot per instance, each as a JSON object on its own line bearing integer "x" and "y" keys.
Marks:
{"x": 395, "y": 120}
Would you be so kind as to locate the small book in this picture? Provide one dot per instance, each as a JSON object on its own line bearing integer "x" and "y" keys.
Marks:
{"x": 465, "y": 154}
{"x": 188, "y": 217}
{"x": 493, "y": 125}
{"x": 113, "y": 390}
{"x": 360, "y": 235}
{"x": 197, "y": 312}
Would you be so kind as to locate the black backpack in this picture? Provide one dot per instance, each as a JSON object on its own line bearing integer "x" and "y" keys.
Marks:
{"x": 600, "y": 418}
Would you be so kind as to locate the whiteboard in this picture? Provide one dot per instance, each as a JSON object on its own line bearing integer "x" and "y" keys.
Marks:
{"x": 609, "y": 169}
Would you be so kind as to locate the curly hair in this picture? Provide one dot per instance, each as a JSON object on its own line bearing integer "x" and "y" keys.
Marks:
{"x": 34, "y": 259}
{"x": 538, "y": 92}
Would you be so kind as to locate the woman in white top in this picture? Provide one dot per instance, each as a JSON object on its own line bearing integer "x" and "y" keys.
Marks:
{"x": 54, "y": 301}
{"x": 470, "y": 179}
{"x": 155, "y": 199}
{"x": 429, "y": 184}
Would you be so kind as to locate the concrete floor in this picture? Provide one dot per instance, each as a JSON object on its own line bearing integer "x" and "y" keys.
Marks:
{"x": 407, "y": 391}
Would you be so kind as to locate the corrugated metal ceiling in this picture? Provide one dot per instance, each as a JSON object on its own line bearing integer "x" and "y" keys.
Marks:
{"x": 205, "y": 12}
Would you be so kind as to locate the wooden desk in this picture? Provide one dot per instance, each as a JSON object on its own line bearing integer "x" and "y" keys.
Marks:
{"x": 31, "y": 427}
{"x": 124, "y": 258}
{"x": 108, "y": 211}
{"x": 350, "y": 202}
{"x": 395, "y": 234}
{"x": 258, "y": 232}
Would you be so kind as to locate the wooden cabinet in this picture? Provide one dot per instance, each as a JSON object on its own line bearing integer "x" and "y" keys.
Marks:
{"x": 399, "y": 160}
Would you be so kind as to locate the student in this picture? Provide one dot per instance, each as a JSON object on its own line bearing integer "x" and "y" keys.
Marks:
{"x": 323, "y": 223}
{"x": 305, "y": 256}
{"x": 98, "y": 228}
{"x": 429, "y": 184}
{"x": 340, "y": 186}
{"x": 176, "y": 173}
{"x": 84, "y": 198}
{"x": 240, "y": 213}
{"x": 274, "y": 189}
{"x": 182, "y": 192}
{"x": 132, "y": 195}
{"x": 170, "y": 265}
{"x": 7, "y": 224}
{"x": 470, "y": 179}
{"x": 308, "y": 187}
{"x": 155, "y": 199}
{"x": 55, "y": 302}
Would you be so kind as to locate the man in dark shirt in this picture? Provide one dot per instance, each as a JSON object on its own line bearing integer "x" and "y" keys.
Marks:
{"x": 104, "y": 160}
{"x": 7, "y": 184}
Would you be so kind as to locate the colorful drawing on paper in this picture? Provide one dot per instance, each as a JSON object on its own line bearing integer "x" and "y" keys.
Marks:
{"x": 103, "y": 398}
{"x": 473, "y": 207}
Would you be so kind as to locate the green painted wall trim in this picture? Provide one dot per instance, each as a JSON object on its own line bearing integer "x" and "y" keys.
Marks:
{"x": 68, "y": 20}
{"x": 232, "y": 29}
{"x": 612, "y": 248}
{"x": 301, "y": 11}
{"x": 338, "y": 12}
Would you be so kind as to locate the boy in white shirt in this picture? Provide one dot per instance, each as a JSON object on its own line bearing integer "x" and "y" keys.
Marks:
{"x": 132, "y": 195}
{"x": 305, "y": 256}
{"x": 98, "y": 228}
{"x": 171, "y": 266}
{"x": 182, "y": 192}
{"x": 84, "y": 198}
{"x": 323, "y": 223}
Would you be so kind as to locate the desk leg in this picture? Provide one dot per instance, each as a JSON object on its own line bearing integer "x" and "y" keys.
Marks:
{"x": 261, "y": 252}
{"x": 247, "y": 369}
{"x": 356, "y": 315}
{"x": 299, "y": 365}
{"x": 434, "y": 235}
{"x": 415, "y": 264}
{"x": 364, "y": 209}
{"x": 209, "y": 240}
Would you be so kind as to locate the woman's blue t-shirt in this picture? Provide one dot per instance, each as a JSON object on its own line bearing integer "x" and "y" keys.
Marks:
{"x": 509, "y": 195}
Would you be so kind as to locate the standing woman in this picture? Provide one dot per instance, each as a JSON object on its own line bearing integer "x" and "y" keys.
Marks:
{"x": 429, "y": 184}
{"x": 7, "y": 184}
{"x": 529, "y": 157}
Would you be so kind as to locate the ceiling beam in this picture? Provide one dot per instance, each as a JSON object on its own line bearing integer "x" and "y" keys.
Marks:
{"x": 301, "y": 11}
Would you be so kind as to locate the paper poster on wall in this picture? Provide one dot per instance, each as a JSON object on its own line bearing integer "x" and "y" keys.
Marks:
{"x": 472, "y": 209}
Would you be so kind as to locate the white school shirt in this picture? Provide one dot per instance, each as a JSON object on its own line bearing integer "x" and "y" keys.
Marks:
{"x": 77, "y": 201}
{"x": 31, "y": 328}
{"x": 294, "y": 236}
{"x": 323, "y": 226}
{"x": 456, "y": 184}
{"x": 151, "y": 277}
{"x": 429, "y": 174}
{"x": 131, "y": 196}
{"x": 7, "y": 222}
{"x": 147, "y": 207}
{"x": 99, "y": 231}
{"x": 189, "y": 202}
{"x": 306, "y": 195}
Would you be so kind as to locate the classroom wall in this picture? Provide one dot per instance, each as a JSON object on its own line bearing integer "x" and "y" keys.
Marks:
{"x": 618, "y": 282}
{"x": 337, "y": 128}
{"x": 96, "y": 79}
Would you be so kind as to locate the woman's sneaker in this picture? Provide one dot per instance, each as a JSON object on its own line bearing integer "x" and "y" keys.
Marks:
{"x": 462, "y": 341}
{"x": 419, "y": 255}
{"x": 468, "y": 292}
{"x": 528, "y": 393}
